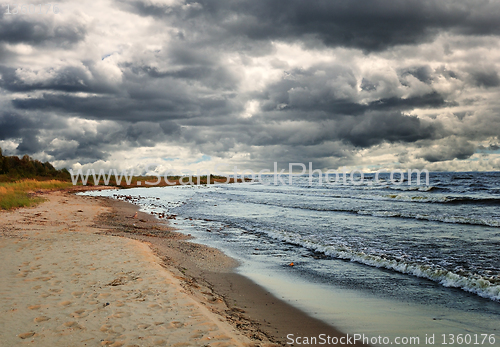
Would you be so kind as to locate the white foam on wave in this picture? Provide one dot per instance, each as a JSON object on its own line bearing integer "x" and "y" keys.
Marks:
{"x": 471, "y": 220}
{"x": 484, "y": 287}
{"x": 492, "y": 222}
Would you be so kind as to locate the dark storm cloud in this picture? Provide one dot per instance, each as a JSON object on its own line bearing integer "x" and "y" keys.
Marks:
{"x": 329, "y": 92}
{"x": 30, "y": 142}
{"x": 368, "y": 86}
{"x": 92, "y": 145}
{"x": 329, "y": 155}
{"x": 422, "y": 73}
{"x": 130, "y": 109}
{"x": 491, "y": 147}
{"x": 431, "y": 100}
{"x": 326, "y": 88}
{"x": 35, "y": 134}
{"x": 84, "y": 154}
{"x": 68, "y": 79}
{"x": 17, "y": 126}
{"x": 292, "y": 112}
{"x": 5, "y": 54}
{"x": 12, "y": 124}
{"x": 371, "y": 25}
{"x": 375, "y": 128}
{"x": 360, "y": 131}
{"x": 38, "y": 30}
{"x": 169, "y": 127}
{"x": 450, "y": 149}
{"x": 486, "y": 79}
{"x": 333, "y": 108}
{"x": 85, "y": 145}
{"x": 183, "y": 63}
{"x": 89, "y": 145}
{"x": 208, "y": 75}
{"x": 144, "y": 134}
{"x": 145, "y": 93}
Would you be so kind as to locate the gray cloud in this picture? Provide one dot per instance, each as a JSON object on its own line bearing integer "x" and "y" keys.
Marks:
{"x": 422, "y": 73}
{"x": 369, "y": 25}
{"x": 132, "y": 109}
{"x": 450, "y": 149}
{"x": 486, "y": 78}
{"x": 253, "y": 82}
{"x": 39, "y": 30}
{"x": 68, "y": 79}
{"x": 375, "y": 128}
{"x": 12, "y": 124}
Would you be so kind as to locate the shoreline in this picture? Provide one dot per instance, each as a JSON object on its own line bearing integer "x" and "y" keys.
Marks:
{"x": 247, "y": 306}
{"x": 101, "y": 231}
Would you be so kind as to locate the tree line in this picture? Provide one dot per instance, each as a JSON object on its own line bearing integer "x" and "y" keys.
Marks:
{"x": 13, "y": 167}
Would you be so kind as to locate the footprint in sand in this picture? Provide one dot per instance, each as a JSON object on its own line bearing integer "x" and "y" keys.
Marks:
{"x": 221, "y": 337}
{"x": 118, "y": 329}
{"x": 121, "y": 315}
{"x": 26, "y": 335}
{"x": 34, "y": 307}
{"x": 65, "y": 303}
{"x": 105, "y": 328}
{"x": 79, "y": 314}
{"x": 197, "y": 335}
{"x": 41, "y": 319}
{"x": 70, "y": 324}
{"x": 77, "y": 294}
{"x": 176, "y": 325}
{"x": 23, "y": 273}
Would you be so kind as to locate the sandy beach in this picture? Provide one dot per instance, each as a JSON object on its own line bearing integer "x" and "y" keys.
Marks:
{"x": 81, "y": 271}
{"x": 63, "y": 284}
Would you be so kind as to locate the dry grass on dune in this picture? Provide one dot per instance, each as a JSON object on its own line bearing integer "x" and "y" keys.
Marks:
{"x": 20, "y": 193}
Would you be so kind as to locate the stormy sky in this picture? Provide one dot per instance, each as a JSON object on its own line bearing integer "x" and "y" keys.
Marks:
{"x": 190, "y": 84}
